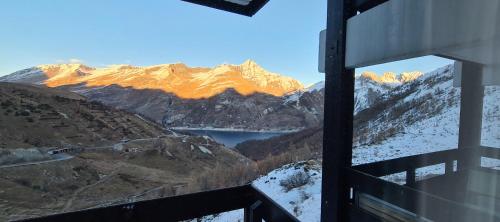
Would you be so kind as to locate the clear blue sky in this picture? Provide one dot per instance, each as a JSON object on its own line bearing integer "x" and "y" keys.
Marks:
{"x": 282, "y": 37}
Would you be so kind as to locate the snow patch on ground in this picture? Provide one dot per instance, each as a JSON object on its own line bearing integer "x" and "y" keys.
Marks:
{"x": 24, "y": 75}
{"x": 205, "y": 150}
{"x": 63, "y": 115}
{"x": 302, "y": 202}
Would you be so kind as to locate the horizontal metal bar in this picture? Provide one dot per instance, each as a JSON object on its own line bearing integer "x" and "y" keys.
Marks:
{"x": 388, "y": 167}
{"x": 358, "y": 214}
{"x": 247, "y": 10}
{"x": 255, "y": 6}
{"x": 421, "y": 203}
{"x": 174, "y": 208}
{"x": 222, "y": 5}
{"x": 363, "y": 5}
{"x": 271, "y": 210}
{"x": 490, "y": 152}
{"x": 384, "y": 210}
{"x": 184, "y": 207}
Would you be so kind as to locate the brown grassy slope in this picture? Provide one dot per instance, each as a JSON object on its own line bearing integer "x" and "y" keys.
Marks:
{"x": 150, "y": 169}
{"x": 36, "y": 116}
{"x": 154, "y": 165}
{"x": 309, "y": 140}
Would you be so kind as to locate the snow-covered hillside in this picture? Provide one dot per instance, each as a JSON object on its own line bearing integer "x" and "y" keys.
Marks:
{"x": 422, "y": 117}
{"x": 316, "y": 86}
{"x": 294, "y": 97}
{"x": 31, "y": 75}
{"x": 367, "y": 92}
{"x": 302, "y": 201}
{"x": 369, "y": 88}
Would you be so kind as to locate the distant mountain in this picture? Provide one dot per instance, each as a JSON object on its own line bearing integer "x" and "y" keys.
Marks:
{"x": 244, "y": 96}
{"x": 391, "y": 78}
{"x": 183, "y": 81}
{"x": 369, "y": 88}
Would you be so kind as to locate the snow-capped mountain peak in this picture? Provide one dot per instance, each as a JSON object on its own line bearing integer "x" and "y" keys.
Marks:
{"x": 316, "y": 86}
{"x": 369, "y": 87}
{"x": 391, "y": 78}
{"x": 179, "y": 79}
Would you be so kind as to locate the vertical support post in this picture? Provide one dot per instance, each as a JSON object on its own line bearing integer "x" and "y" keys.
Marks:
{"x": 338, "y": 120}
{"x": 252, "y": 214}
{"x": 471, "y": 116}
{"x": 448, "y": 167}
{"x": 410, "y": 177}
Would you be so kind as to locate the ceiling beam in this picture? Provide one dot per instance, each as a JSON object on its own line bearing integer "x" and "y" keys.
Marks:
{"x": 248, "y": 10}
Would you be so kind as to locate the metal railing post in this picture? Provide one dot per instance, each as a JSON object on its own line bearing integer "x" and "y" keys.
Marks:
{"x": 252, "y": 213}
{"x": 410, "y": 177}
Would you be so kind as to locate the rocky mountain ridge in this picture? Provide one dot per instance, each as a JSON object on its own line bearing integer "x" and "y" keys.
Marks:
{"x": 179, "y": 96}
{"x": 179, "y": 79}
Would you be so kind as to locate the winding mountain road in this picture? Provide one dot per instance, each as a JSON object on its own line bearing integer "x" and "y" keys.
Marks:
{"x": 64, "y": 156}
{"x": 57, "y": 158}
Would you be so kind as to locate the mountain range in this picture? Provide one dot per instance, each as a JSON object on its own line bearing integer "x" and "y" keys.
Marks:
{"x": 394, "y": 120}
{"x": 244, "y": 96}
{"x": 179, "y": 79}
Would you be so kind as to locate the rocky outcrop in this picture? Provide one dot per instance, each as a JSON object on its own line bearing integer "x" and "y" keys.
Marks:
{"x": 229, "y": 109}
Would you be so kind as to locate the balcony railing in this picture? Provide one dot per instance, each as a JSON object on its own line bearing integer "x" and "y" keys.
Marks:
{"x": 257, "y": 207}
{"x": 372, "y": 199}
{"x": 440, "y": 198}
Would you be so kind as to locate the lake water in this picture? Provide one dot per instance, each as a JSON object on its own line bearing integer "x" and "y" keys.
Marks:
{"x": 232, "y": 138}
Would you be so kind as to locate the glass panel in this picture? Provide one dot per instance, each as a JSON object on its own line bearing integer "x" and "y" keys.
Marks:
{"x": 490, "y": 163}
{"x": 430, "y": 171}
{"x": 399, "y": 178}
{"x": 439, "y": 133}
{"x": 403, "y": 114}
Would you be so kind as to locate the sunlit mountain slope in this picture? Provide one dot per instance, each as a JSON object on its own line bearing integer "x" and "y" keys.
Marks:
{"x": 179, "y": 79}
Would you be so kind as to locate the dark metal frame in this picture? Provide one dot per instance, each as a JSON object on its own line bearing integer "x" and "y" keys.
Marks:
{"x": 257, "y": 206}
{"x": 338, "y": 109}
{"x": 363, "y": 5}
{"x": 343, "y": 183}
{"x": 338, "y": 114}
{"x": 248, "y": 10}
